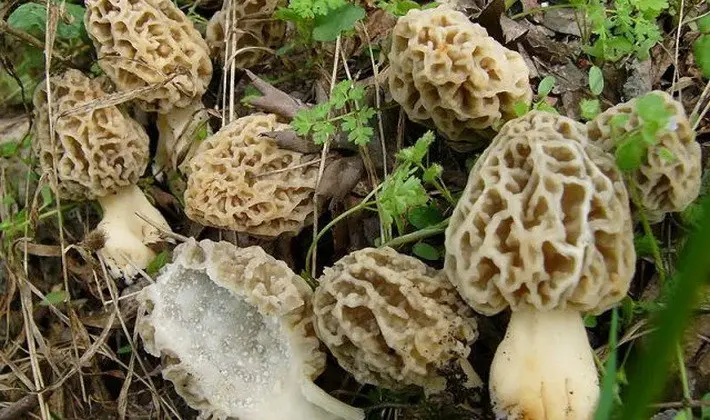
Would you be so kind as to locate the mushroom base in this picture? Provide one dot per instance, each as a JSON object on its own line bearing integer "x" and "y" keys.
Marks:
{"x": 126, "y": 235}
{"x": 544, "y": 368}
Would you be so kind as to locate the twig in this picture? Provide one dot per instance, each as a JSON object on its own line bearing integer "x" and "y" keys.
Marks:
{"x": 162, "y": 230}
{"x": 289, "y": 168}
{"x": 274, "y": 100}
{"x": 5, "y": 27}
{"x": 683, "y": 404}
{"x": 20, "y": 407}
{"x": 677, "y": 49}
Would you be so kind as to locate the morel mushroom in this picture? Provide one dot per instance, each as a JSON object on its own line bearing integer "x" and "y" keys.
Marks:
{"x": 253, "y": 29}
{"x": 100, "y": 153}
{"x": 392, "y": 321}
{"x": 543, "y": 227}
{"x": 151, "y": 43}
{"x": 446, "y": 69}
{"x": 665, "y": 185}
{"x": 239, "y": 179}
{"x": 235, "y": 326}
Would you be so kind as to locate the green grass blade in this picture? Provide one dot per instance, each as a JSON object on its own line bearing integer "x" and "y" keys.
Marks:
{"x": 648, "y": 374}
{"x": 606, "y": 401}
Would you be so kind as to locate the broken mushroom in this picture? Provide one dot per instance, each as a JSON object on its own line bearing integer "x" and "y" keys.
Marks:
{"x": 235, "y": 328}
{"x": 391, "y": 320}
{"x": 665, "y": 184}
{"x": 447, "y": 70}
{"x": 253, "y": 30}
{"x": 241, "y": 180}
{"x": 100, "y": 153}
{"x": 151, "y": 48}
{"x": 543, "y": 227}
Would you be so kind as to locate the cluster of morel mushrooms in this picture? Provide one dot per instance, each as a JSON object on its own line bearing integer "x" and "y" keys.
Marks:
{"x": 543, "y": 227}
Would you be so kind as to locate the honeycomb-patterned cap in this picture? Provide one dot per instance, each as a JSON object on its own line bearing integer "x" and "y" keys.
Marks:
{"x": 98, "y": 150}
{"x": 543, "y": 222}
{"x": 144, "y": 43}
{"x": 390, "y": 320}
{"x": 665, "y": 185}
{"x": 254, "y": 27}
{"x": 447, "y": 70}
{"x": 241, "y": 180}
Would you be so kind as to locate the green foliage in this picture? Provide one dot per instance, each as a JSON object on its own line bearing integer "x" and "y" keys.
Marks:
{"x": 544, "y": 88}
{"x": 318, "y": 123}
{"x": 625, "y": 27}
{"x": 632, "y": 147}
{"x": 398, "y": 7}
{"x": 596, "y": 80}
{"x": 546, "y": 85}
{"x": 701, "y": 47}
{"x": 609, "y": 386}
{"x": 157, "y": 263}
{"x": 705, "y": 410}
{"x": 425, "y": 251}
{"x": 424, "y": 216}
{"x": 590, "y": 108}
{"x": 54, "y": 298}
{"x": 320, "y": 20}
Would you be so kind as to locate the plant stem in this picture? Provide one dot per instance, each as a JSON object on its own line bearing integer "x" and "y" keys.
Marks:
{"x": 418, "y": 235}
{"x": 684, "y": 379}
{"x": 655, "y": 250}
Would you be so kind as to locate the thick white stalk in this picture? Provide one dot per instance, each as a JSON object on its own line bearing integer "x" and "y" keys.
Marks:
{"x": 127, "y": 235}
{"x": 544, "y": 368}
{"x": 177, "y": 132}
{"x": 336, "y": 409}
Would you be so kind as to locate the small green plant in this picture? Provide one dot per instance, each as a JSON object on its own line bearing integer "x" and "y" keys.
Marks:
{"x": 701, "y": 47}
{"x": 627, "y": 27}
{"x": 401, "y": 7}
{"x": 320, "y": 20}
{"x": 544, "y": 88}
{"x": 320, "y": 125}
{"x": 591, "y": 107}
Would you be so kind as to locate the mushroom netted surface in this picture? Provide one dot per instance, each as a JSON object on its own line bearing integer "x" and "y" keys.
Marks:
{"x": 665, "y": 184}
{"x": 447, "y": 70}
{"x": 241, "y": 180}
{"x": 391, "y": 320}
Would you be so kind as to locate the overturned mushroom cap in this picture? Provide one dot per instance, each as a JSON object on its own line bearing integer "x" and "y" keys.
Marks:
{"x": 145, "y": 43}
{"x": 98, "y": 150}
{"x": 236, "y": 328}
{"x": 448, "y": 70}
{"x": 543, "y": 222}
{"x": 665, "y": 185}
{"x": 390, "y": 320}
{"x": 240, "y": 180}
{"x": 254, "y": 27}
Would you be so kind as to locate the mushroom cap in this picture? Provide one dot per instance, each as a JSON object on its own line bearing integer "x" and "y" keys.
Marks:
{"x": 98, "y": 150}
{"x": 391, "y": 320}
{"x": 237, "y": 181}
{"x": 664, "y": 185}
{"x": 144, "y": 43}
{"x": 254, "y": 27}
{"x": 543, "y": 222}
{"x": 446, "y": 69}
{"x": 236, "y": 326}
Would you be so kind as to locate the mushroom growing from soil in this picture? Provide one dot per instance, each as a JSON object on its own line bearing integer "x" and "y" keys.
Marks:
{"x": 235, "y": 328}
{"x": 392, "y": 321}
{"x": 254, "y": 29}
{"x": 100, "y": 153}
{"x": 665, "y": 185}
{"x": 239, "y": 179}
{"x": 543, "y": 227}
{"x": 447, "y": 70}
{"x": 152, "y": 48}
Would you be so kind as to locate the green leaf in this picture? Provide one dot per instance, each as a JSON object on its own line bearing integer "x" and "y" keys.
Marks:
{"x": 9, "y": 149}
{"x": 546, "y": 85}
{"x": 701, "y": 49}
{"x": 425, "y": 251}
{"x": 47, "y": 196}
{"x": 630, "y": 154}
{"x": 596, "y": 80}
{"x": 521, "y": 108}
{"x": 398, "y": 7}
{"x": 590, "y": 108}
{"x": 54, "y": 298}
{"x": 644, "y": 245}
{"x": 322, "y": 130}
{"x": 704, "y": 24}
{"x": 157, "y": 263}
{"x": 681, "y": 415}
{"x": 665, "y": 154}
{"x": 545, "y": 107}
{"x": 705, "y": 410}
{"x": 424, "y": 216}
{"x": 590, "y": 321}
{"x": 652, "y": 108}
{"x": 339, "y": 96}
{"x": 415, "y": 154}
{"x": 608, "y": 384}
{"x": 432, "y": 173}
{"x": 329, "y": 26}
{"x": 32, "y": 18}
{"x": 124, "y": 350}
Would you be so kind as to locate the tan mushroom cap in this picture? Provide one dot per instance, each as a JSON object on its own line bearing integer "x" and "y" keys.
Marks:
{"x": 543, "y": 222}
{"x": 254, "y": 27}
{"x": 239, "y": 180}
{"x": 665, "y": 186}
{"x": 391, "y": 320}
{"x": 237, "y": 327}
{"x": 447, "y": 70}
{"x": 98, "y": 150}
{"x": 143, "y": 43}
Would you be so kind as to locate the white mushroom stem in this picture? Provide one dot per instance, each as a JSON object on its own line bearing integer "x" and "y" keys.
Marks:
{"x": 176, "y": 139}
{"x": 341, "y": 411}
{"x": 544, "y": 368}
{"x": 126, "y": 234}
